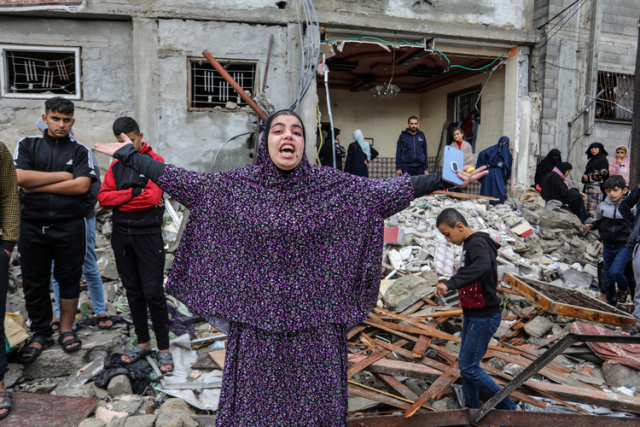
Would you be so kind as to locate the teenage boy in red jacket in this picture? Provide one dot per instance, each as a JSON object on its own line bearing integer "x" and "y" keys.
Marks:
{"x": 138, "y": 245}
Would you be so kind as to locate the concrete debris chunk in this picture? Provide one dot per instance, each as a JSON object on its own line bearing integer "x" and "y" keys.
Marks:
{"x": 538, "y": 327}
{"x": 406, "y": 291}
{"x": 119, "y": 385}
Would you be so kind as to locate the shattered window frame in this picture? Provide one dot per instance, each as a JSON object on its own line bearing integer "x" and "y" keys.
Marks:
{"x": 26, "y": 68}
{"x": 616, "y": 103}
{"x": 201, "y": 76}
{"x": 454, "y": 99}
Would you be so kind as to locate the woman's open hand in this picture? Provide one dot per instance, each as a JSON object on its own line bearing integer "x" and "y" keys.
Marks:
{"x": 110, "y": 149}
{"x": 469, "y": 177}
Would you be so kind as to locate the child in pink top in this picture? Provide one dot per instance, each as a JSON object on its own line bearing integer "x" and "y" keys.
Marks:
{"x": 620, "y": 164}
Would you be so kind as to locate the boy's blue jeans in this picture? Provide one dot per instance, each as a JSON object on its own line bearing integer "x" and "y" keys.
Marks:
{"x": 476, "y": 334}
{"x": 91, "y": 274}
{"x": 615, "y": 262}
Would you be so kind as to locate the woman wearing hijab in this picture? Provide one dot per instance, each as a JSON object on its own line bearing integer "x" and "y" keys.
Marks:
{"x": 359, "y": 154}
{"x": 326, "y": 155}
{"x": 498, "y": 161}
{"x": 596, "y": 172}
{"x": 460, "y": 144}
{"x": 552, "y": 159}
{"x": 621, "y": 164}
{"x": 262, "y": 260}
{"x": 556, "y": 187}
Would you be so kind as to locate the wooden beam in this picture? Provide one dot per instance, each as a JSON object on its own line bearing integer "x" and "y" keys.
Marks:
{"x": 436, "y": 389}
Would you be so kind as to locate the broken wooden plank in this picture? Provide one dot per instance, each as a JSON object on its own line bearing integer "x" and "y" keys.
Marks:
{"x": 421, "y": 346}
{"x": 615, "y": 401}
{"x": 218, "y": 357}
{"x": 436, "y": 389}
{"x": 402, "y": 369}
{"x": 564, "y": 302}
{"x": 377, "y": 355}
{"x": 354, "y": 331}
{"x": 393, "y": 384}
{"x": 406, "y": 353}
{"x": 378, "y": 397}
{"x": 464, "y": 195}
{"x": 437, "y": 314}
{"x": 30, "y": 409}
{"x": 375, "y": 390}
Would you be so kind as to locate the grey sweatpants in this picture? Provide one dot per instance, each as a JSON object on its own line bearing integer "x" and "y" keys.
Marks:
{"x": 636, "y": 274}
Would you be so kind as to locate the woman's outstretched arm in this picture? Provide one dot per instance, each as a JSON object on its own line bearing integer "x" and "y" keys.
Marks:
{"x": 187, "y": 187}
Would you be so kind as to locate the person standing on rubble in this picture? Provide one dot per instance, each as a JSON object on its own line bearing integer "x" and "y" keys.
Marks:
{"x": 10, "y": 224}
{"x": 411, "y": 150}
{"x": 138, "y": 215}
{"x": 54, "y": 172}
{"x": 498, "y": 161}
{"x": 477, "y": 284}
{"x": 263, "y": 260}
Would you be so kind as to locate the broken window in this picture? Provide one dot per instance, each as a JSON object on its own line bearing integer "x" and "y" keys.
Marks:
{"x": 616, "y": 103}
{"x": 39, "y": 72}
{"x": 208, "y": 90}
{"x": 465, "y": 105}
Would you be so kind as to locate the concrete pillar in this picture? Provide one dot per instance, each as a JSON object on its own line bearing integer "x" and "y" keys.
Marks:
{"x": 591, "y": 81}
{"x": 145, "y": 63}
{"x": 517, "y": 111}
{"x": 307, "y": 107}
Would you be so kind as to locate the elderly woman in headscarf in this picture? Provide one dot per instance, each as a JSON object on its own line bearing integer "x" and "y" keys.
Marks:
{"x": 596, "y": 172}
{"x": 556, "y": 187}
{"x": 359, "y": 154}
{"x": 263, "y": 260}
{"x": 551, "y": 160}
{"x": 621, "y": 164}
{"x": 498, "y": 161}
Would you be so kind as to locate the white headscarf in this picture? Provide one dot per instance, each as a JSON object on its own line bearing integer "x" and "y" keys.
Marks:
{"x": 359, "y": 138}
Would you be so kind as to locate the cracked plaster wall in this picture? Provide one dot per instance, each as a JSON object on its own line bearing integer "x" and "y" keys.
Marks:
{"x": 107, "y": 70}
{"x": 191, "y": 138}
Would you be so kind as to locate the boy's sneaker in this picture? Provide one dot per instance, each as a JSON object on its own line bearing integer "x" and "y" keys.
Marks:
{"x": 620, "y": 297}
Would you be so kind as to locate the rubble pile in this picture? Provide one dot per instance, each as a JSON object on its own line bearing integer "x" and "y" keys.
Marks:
{"x": 404, "y": 356}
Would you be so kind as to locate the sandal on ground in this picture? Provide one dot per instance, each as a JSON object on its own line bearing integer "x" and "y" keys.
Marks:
{"x": 6, "y": 403}
{"x": 632, "y": 330}
{"x": 165, "y": 358}
{"x": 33, "y": 351}
{"x": 66, "y": 345}
{"x": 104, "y": 319}
{"x": 137, "y": 354}
{"x": 627, "y": 308}
{"x": 620, "y": 296}
{"x": 55, "y": 325}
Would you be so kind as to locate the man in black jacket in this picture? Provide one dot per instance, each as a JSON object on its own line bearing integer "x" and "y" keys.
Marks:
{"x": 411, "y": 151}
{"x": 54, "y": 172}
{"x": 476, "y": 282}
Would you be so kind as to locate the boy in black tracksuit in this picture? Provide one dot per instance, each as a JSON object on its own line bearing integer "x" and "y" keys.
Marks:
{"x": 54, "y": 172}
{"x": 138, "y": 245}
{"x": 476, "y": 282}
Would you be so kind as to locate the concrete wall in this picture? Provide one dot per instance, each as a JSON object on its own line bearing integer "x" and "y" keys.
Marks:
{"x": 191, "y": 138}
{"x": 384, "y": 120}
{"x": 602, "y": 35}
{"x": 107, "y": 82}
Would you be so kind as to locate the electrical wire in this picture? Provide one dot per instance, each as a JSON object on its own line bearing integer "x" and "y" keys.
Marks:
{"x": 467, "y": 68}
{"x": 222, "y": 146}
{"x": 549, "y": 37}
{"x": 401, "y": 43}
{"x": 558, "y": 14}
{"x": 310, "y": 47}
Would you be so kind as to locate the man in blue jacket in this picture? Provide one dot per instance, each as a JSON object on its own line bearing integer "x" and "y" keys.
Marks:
{"x": 411, "y": 151}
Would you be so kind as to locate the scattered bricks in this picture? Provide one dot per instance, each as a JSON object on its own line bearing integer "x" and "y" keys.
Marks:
{"x": 578, "y": 278}
{"x": 119, "y": 385}
{"x": 591, "y": 269}
{"x": 538, "y": 327}
{"x": 551, "y": 274}
{"x": 503, "y": 330}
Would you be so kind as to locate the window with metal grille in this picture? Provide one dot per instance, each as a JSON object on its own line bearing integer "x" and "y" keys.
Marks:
{"x": 616, "y": 103}
{"x": 208, "y": 90}
{"x": 465, "y": 105}
{"x": 39, "y": 72}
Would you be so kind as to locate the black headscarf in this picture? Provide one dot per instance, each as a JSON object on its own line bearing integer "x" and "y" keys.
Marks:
{"x": 564, "y": 167}
{"x": 553, "y": 159}
{"x": 597, "y": 162}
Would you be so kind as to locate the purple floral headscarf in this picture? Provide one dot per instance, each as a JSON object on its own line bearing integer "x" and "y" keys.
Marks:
{"x": 281, "y": 252}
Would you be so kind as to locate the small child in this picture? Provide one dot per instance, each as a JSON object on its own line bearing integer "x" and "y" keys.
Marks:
{"x": 614, "y": 234}
{"x": 476, "y": 282}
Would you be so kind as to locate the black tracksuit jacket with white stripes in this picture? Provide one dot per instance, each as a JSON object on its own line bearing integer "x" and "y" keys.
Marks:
{"x": 45, "y": 153}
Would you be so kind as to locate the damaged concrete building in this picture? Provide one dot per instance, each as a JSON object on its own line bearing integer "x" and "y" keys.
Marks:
{"x": 492, "y": 63}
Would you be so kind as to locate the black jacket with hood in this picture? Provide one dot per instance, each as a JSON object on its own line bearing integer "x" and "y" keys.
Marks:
{"x": 411, "y": 150}
{"x": 614, "y": 229}
{"x": 477, "y": 278}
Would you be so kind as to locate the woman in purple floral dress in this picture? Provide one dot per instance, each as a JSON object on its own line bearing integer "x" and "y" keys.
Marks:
{"x": 284, "y": 257}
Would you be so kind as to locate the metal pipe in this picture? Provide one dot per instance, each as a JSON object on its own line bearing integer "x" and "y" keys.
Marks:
{"x": 326, "y": 87}
{"x": 266, "y": 67}
{"x": 223, "y": 73}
